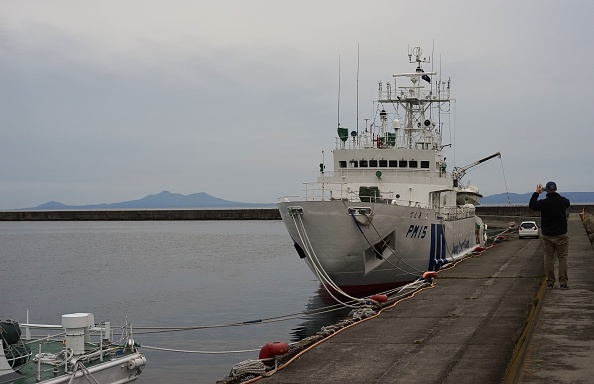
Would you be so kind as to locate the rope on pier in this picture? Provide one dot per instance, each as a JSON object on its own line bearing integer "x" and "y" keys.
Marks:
{"x": 200, "y": 352}
{"x": 247, "y": 367}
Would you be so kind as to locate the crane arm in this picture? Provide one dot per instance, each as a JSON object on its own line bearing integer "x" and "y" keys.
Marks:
{"x": 459, "y": 172}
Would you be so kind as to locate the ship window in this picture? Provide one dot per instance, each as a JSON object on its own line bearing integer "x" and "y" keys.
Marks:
{"x": 373, "y": 163}
{"x": 363, "y": 163}
{"x": 402, "y": 163}
{"x": 424, "y": 164}
{"x": 393, "y": 163}
{"x": 383, "y": 163}
{"x": 353, "y": 164}
{"x": 342, "y": 164}
{"x": 413, "y": 164}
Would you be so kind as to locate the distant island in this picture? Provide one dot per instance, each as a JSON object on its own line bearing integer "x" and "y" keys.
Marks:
{"x": 169, "y": 200}
{"x": 163, "y": 200}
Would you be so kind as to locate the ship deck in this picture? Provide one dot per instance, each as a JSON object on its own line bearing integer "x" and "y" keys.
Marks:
{"x": 29, "y": 370}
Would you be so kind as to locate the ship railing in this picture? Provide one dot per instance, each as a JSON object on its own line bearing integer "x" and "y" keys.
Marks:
{"x": 361, "y": 142}
{"x": 420, "y": 141}
{"x": 455, "y": 213}
{"x": 329, "y": 191}
{"x": 367, "y": 142}
{"x": 341, "y": 191}
{"x": 385, "y": 171}
{"x": 418, "y": 92}
{"x": 412, "y": 92}
{"x": 102, "y": 331}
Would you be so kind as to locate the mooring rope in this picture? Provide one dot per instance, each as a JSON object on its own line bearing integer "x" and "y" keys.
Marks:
{"x": 319, "y": 270}
{"x": 292, "y": 316}
{"x": 198, "y": 352}
{"x": 246, "y": 367}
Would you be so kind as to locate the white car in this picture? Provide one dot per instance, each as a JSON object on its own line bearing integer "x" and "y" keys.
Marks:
{"x": 528, "y": 229}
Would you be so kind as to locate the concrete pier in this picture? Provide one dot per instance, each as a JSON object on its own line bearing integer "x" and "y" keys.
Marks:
{"x": 487, "y": 320}
{"x": 561, "y": 346}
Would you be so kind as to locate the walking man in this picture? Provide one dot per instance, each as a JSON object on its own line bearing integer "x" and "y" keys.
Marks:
{"x": 555, "y": 241}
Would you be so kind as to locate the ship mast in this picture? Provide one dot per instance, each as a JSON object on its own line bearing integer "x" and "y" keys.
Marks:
{"x": 419, "y": 132}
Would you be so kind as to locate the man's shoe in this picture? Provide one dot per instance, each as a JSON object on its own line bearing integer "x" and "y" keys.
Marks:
{"x": 564, "y": 286}
{"x": 549, "y": 286}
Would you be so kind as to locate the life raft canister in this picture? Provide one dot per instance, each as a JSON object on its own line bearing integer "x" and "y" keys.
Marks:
{"x": 272, "y": 349}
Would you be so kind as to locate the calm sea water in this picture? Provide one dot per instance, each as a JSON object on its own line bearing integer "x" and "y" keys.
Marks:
{"x": 174, "y": 273}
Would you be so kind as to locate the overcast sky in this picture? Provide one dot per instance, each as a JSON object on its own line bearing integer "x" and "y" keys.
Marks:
{"x": 107, "y": 101}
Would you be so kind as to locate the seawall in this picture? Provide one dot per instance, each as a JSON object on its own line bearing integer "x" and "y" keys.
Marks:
{"x": 502, "y": 212}
{"x": 154, "y": 214}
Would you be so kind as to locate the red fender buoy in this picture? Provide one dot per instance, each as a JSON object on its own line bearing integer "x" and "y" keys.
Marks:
{"x": 429, "y": 274}
{"x": 273, "y": 349}
{"x": 479, "y": 249}
{"x": 379, "y": 298}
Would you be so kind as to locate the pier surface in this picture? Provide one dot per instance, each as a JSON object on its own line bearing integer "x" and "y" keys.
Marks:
{"x": 487, "y": 320}
{"x": 561, "y": 348}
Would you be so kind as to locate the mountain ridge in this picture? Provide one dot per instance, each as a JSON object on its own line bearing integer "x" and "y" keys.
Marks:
{"x": 162, "y": 200}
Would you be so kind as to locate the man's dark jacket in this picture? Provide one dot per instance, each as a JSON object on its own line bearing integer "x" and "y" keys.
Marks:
{"x": 553, "y": 219}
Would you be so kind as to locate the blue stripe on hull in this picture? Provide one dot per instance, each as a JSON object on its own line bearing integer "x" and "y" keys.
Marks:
{"x": 437, "y": 255}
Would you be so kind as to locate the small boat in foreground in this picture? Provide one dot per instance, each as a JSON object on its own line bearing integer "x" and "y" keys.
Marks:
{"x": 80, "y": 352}
{"x": 389, "y": 210}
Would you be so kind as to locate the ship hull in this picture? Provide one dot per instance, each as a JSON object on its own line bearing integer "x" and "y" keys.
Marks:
{"x": 371, "y": 247}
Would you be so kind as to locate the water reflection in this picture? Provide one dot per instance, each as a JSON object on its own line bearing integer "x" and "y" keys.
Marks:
{"x": 323, "y": 310}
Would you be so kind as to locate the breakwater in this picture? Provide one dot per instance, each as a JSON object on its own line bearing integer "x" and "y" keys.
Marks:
{"x": 228, "y": 214}
{"x": 154, "y": 214}
{"x": 524, "y": 211}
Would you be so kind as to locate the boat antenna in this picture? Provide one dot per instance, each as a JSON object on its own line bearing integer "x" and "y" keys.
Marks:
{"x": 338, "y": 91}
{"x": 438, "y": 90}
{"x": 357, "y": 89}
{"x": 431, "y": 84}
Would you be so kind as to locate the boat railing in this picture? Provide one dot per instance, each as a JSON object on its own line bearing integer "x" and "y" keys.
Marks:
{"x": 361, "y": 142}
{"x": 372, "y": 171}
{"x": 412, "y": 92}
{"x": 455, "y": 213}
{"x": 341, "y": 191}
{"x": 103, "y": 331}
